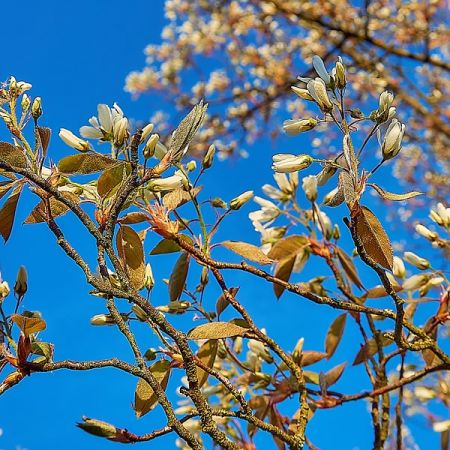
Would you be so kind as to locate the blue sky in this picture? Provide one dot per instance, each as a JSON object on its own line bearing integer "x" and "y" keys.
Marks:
{"x": 77, "y": 54}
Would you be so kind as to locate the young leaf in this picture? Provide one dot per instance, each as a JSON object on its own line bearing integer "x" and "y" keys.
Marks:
{"x": 334, "y": 335}
{"x": 308, "y": 358}
{"x": 85, "y": 163}
{"x": 44, "y": 134}
{"x": 12, "y": 155}
{"x": 111, "y": 178}
{"x": 28, "y": 325}
{"x": 283, "y": 271}
{"x": 391, "y": 196}
{"x": 369, "y": 349}
{"x": 247, "y": 251}
{"x": 216, "y": 330}
{"x": 222, "y": 301}
{"x": 374, "y": 239}
{"x": 286, "y": 247}
{"x": 57, "y": 208}
{"x": 131, "y": 254}
{"x": 183, "y": 135}
{"x": 178, "y": 277}
{"x": 179, "y": 197}
{"x": 133, "y": 217}
{"x": 348, "y": 188}
{"x": 207, "y": 355}
{"x": 165, "y": 246}
{"x": 5, "y": 186}
{"x": 8, "y": 212}
{"x": 333, "y": 375}
{"x": 349, "y": 267}
{"x": 145, "y": 398}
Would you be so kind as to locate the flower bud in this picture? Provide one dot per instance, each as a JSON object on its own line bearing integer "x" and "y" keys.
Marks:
{"x": 417, "y": 261}
{"x": 120, "y": 131}
{"x": 175, "y": 307}
{"x": 102, "y": 319}
{"x": 398, "y": 268}
{"x": 302, "y": 93}
{"x": 298, "y": 349}
{"x": 384, "y": 108}
{"x": 319, "y": 66}
{"x": 324, "y": 225}
{"x": 166, "y": 184}
{"x": 336, "y": 231}
{"x": 237, "y": 346}
{"x": 294, "y": 127}
{"x": 340, "y": 74}
{"x": 191, "y": 166}
{"x": 149, "y": 281}
{"x": 25, "y": 103}
{"x": 309, "y": 186}
{"x": 150, "y": 146}
{"x": 21, "y": 286}
{"x": 97, "y": 427}
{"x": 441, "y": 215}
{"x": 260, "y": 350}
{"x": 209, "y": 157}
{"x": 4, "y": 290}
{"x": 393, "y": 140}
{"x": 287, "y": 163}
{"x": 426, "y": 233}
{"x": 73, "y": 141}
{"x": 139, "y": 313}
{"x": 150, "y": 354}
{"x": 415, "y": 282}
{"x": 146, "y": 132}
{"x": 325, "y": 175}
{"x": 241, "y": 200}
{"x": 36, "y": 108}
{"x": 218, "y": 203}
{"x": 318, "y": 91}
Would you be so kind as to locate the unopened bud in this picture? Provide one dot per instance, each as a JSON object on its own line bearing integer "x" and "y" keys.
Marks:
{"x": 36, "y": 108}
{"x": 294, "y": 127}
{"x": 302, "y": 93}
{"x": 120, "y": 131}
{"x": 340, "y": 74}
{"x": 25, "y": 103}
{"x": 166, "y": 184}
{"x": 392, "y": 142}
{"x": 298, "y": 349}
{"x": 139, "y": 313}
{"x": 150, "y": 146}
{"x": 420, "y": 263}
{"x": 149, "y": 281}
{"x": 415, "y": 282}
{"x": 309, "y": 186}
{"x": 150, "y": 354}
{"x": 97, "y": 427}
{"x": 21, "y": 286}
{"x": 191, "y": 166}
{"x": 398, "y": 268}
{"x": 260, "y": 350}
{"x": 241, "y": 200}
{"x": 146, "y": 132}
{"x": 287, "y": 163}
{"x": 73, "y": 141}
{"x": 237, "y": 347}
{"x": 209, "y": 157}
{"x": 426, "y": 233}
{"x": 102, "y": 319}
{"x": 4, "y": 290}
{"x": 218, "y": 203}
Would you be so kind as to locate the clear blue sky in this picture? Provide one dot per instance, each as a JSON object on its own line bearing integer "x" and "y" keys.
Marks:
{"x": 77, "y": 54}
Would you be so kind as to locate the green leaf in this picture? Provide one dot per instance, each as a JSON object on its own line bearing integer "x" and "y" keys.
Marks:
{"x": 145, "y": 398}
{"x": 178, "y": 277}
{"x": 85, "y": 163}
{"x": 391, "y": 196}
{"x": 131, "y": 254}
{"x": 373, "y": 238}
{"x": 307, "y": 358}
{"x": 165, "y": 246}
{"x": 8, "y": 212}
{"x": 334, "y": 335}
{"x": 133, "y": 217}
{"x": 248, "y": 251}
{"x": 43, "y": 348}
{"x": 217, "y": 330}
{"x": 12, "y": 155}
{"x": 207, "y": 355}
